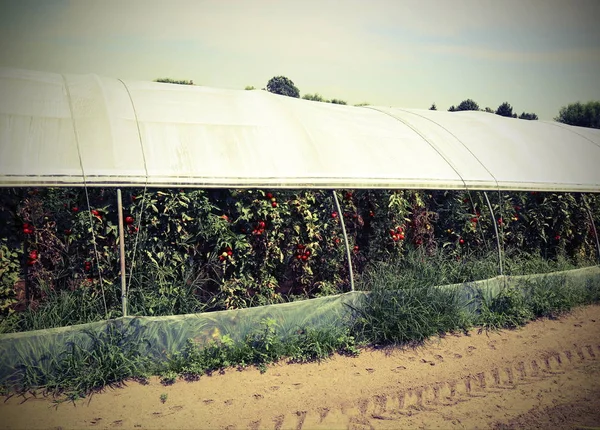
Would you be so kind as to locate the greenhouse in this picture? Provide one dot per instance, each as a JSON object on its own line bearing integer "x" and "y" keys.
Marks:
{"x": 191, "y": 213}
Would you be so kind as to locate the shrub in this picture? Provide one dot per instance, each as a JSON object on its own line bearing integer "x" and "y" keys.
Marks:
{"x": 508, "y": 309}
{"x": 397, "y": 313}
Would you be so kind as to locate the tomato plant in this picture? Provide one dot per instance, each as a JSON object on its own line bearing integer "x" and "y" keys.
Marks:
{"x": 233, "y": 248}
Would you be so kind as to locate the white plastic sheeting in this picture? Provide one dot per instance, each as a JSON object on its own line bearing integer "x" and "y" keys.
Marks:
{"x": 71, "y": 130}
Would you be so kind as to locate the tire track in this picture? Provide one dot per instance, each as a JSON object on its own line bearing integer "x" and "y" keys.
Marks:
{"x": 392, "y": 405}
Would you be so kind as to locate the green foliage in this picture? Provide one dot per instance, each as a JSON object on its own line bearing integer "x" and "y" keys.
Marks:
{"x": 174, "y": 81}
{"x": 260, "y": 348}
{"x": 508, "y": 309}
{"x": 400, "y": 309}
{"x": 112, "y": 356}
{"x": 249, "y": 88}
{"x": 549, "y": 297}
{"x": 396, "y": 312}
{"x": 193, "y": 250}
{"x": 467, "y": 104}
{"x": 316, "y": 97}
{"x": 580, "y": 114}
{"x": 283, "y": 86}
{"x": 528, "y": 116}
{"x": 505, "y": 109}
{"x": 362, "y": 104}
{"x": 10, "y": 270}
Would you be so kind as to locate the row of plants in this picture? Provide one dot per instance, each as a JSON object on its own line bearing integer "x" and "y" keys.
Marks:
{"x": 192, "y": 250}
{"x": 393, "y": 313}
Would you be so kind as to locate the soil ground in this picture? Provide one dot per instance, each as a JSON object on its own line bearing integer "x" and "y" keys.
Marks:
{"x": 544, "y": 375}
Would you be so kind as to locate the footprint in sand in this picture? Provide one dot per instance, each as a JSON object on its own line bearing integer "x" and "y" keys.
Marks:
{"x": 457, "y": 356}
{"x": 438, "y": 357}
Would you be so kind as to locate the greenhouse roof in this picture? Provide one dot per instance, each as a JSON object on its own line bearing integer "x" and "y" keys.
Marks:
{"x": 72, "y": 130}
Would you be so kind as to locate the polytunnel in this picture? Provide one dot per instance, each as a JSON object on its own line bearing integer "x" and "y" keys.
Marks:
{"x": 74, "y": 130}
{"x": 90, "y": 131}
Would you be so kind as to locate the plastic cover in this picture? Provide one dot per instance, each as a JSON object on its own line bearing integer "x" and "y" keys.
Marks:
{"x": 167, "y": 334}
{"x": 71, "y": 130}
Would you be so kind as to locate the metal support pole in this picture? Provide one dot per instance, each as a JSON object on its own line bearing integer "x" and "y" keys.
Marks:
{"x": 589, "y": 212}
{"x": 497, "y": 234}
{"x": 122, "y": 254}
{"x": 348, "y": 255}
{"x": 595, "y": 234}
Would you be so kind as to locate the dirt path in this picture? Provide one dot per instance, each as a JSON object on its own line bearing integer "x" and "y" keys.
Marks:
{"x": 545, "y": 375}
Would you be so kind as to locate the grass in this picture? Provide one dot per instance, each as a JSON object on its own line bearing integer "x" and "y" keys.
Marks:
{"x": 152, "y": 292}
{"x": 59, "y": 309}
{"x": 508, "y": 309}
{"x": 259, "y": 348}
{"x": 397, "y": 311}
{"x": 157, "y": 291}
{"x": 404, "y": 307}
{"x": 116, "y": 354}
{"x": 111, "y": 356}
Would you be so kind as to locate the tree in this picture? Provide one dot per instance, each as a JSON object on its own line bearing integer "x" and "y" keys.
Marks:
{"x": 249, "y": 88}
{"x": 489, "y": 110}
{"x": 316, "y": 97}
{"x": 467, "y": 105}
{"x": 505, "y": 109}
{"x": 580, "y": 114}
{"x": 283, "y": 86}
{"x": 174, "y": 81}
{"x": 529, "y": 116}
{"x": 338, "y": 102}
{"x": 452, "y": 109}
{"x": 433, "y": 107}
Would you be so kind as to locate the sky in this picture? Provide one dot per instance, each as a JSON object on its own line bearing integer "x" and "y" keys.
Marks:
{"x": 537, "y": 55}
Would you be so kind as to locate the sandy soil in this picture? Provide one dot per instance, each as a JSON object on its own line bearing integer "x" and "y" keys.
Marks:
{"x": 545, "y": 375}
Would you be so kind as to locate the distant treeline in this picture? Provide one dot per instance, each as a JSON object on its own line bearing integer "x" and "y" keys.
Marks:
{"x": 577, "y": 114}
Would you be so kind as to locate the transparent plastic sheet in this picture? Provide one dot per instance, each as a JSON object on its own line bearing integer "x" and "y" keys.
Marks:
{"x": 167, "y": 334}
